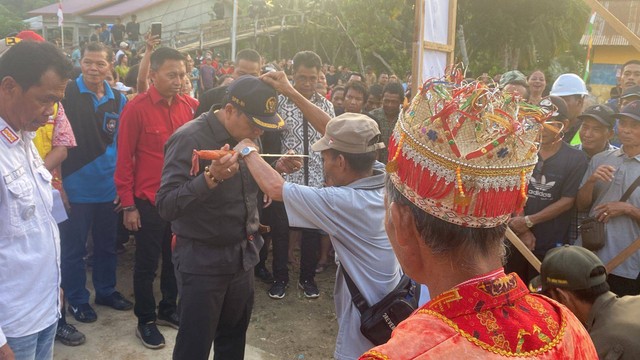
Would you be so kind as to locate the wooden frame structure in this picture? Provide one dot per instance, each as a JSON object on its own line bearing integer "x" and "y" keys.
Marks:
{"x": 433, "y": 39}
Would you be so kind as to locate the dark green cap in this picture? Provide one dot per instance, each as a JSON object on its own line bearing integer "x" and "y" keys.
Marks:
{"x": 569, "y": 267}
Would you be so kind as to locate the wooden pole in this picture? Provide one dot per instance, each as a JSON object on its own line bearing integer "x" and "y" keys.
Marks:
{"x": 418, "y": 37}
{"x": 615, "y": 23}
{"x": 623, "y": 255}
{"x": 524, "y": 250}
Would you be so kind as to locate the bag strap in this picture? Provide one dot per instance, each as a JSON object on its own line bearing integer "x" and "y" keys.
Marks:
{"x": 630, "y": 190}
{"x": 356, "y": 297}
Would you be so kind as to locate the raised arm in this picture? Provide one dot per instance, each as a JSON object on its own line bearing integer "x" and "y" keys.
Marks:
{"x": 316, "y": 116}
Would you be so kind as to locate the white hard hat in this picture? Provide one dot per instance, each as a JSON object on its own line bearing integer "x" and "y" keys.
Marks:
{"x": 568, "y": 84}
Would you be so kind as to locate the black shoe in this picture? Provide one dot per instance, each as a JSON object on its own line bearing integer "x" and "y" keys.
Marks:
{"x": 150, "y": 336}
{"x": 263, "y": 274}
{"x": 277, "y": 290}
{"x": 116, "y": 301}
{"x": 83, "y": 313}
{"x": 172, "y": 319}
{"x": 69, "y": 335}
{"x": 310, "y": 289}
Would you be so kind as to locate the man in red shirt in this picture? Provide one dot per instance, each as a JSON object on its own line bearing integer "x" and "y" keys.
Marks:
{"x": 146, "y": 124}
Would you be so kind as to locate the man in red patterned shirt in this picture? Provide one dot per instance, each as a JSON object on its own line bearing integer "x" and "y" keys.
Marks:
{"x": 146, "y": 124}
{"x": 455, "y": 174}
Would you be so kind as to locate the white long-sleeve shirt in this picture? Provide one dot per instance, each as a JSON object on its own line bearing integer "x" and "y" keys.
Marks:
{"x": 29, "y": 239}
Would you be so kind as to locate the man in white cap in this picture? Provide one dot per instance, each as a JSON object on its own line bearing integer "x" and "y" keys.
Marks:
{"x": 572, "y": 89}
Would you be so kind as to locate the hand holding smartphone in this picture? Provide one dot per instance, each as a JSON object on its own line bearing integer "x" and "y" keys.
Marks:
{"x": 156, "y": 29}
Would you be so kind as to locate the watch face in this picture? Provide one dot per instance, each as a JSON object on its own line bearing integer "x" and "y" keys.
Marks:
{"x": 246, "y": 151}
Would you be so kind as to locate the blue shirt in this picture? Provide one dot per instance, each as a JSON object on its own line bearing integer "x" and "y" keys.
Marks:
{"x": 93, "y": 181}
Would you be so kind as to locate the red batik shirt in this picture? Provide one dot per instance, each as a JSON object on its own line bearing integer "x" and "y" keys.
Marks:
{"x": 146, "y": 123}
{"x": 492, "y": 316}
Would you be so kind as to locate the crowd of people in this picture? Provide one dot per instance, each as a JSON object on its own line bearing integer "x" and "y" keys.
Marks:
{"x": 166, "y": 147}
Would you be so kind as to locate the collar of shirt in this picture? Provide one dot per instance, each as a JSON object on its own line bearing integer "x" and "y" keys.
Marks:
{"x": 157, "y": 98}
{"x": 108, "y": 93}
{"x": 372, "y": 182}
{"x": 620, "y": 152}
{"x": 598, "y": 306}
{"x": 220, "y": 133}
{"x": 11, "y": 137}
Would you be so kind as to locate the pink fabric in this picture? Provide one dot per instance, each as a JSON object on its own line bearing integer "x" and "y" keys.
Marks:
{"x": 62, "y": 132}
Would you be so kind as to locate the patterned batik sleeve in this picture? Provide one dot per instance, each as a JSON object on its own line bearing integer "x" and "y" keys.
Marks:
{"x": 62, "y": 131}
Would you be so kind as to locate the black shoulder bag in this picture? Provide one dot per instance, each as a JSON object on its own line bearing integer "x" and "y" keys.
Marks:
{"x": 378, "y": 321}
{"x": 592, "y": 231}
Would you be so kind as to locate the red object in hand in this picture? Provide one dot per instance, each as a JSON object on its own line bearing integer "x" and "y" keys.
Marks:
{"x": 206, "y": 155}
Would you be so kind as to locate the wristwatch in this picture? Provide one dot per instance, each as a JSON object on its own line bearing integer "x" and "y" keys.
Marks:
{"x": 528, "y": 222}
{"x": 247, "y": 150}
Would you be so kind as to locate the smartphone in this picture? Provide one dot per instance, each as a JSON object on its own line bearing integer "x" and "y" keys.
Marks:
{"x": 156, "y": 29}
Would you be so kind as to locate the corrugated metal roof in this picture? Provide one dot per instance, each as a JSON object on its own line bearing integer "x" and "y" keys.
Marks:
{"x": 124, "y": 8}
{"x": 627, "y": 11}
{"x": 73, "y": 7}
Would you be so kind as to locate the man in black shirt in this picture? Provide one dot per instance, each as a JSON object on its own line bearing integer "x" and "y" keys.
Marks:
{"x": 247, "y": 63}
{"x": 117, "y": 31}
{"x": 133, "y": 30}
{"x": 214, "y": 215}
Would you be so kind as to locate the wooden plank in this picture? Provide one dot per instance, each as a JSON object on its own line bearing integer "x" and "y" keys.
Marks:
{"x": 418, "y": 37}
{"x": 429, "y": 45}
{"x": 453, "y": 7}
{"x": 524, "y": 250}
{"x": 615, "y": 23}
{"x": 623, "y": 255}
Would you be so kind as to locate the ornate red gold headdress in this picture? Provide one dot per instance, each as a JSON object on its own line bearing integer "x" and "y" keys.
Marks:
{"x": 464, "y": 152}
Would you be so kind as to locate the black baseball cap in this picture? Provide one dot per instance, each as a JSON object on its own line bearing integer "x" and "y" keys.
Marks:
{"x": 630, "y": 92}
{"x": 602, "y": 113}
{"x": 556, "y": 106}
{"x": 570, "y": 267}
{"x": 257, "y": 100}
{"x": 631, "y": 110}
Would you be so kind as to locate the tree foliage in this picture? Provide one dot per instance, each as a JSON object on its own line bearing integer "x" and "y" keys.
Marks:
{"x": 354, "y": 33}
{"x": 523, "y": 34}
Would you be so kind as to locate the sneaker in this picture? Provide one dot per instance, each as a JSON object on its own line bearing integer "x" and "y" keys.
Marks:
{"x": 263, "y": 274}
{"x": 69, "y": 335}
{"x": 150, "y": 335}
{"x": 277, "y": 290}
{"x": 310, "y": 288}
{"x": 83, "y": 313}
{"x": 116, "y": 301}
{"x": 172, "y": 320}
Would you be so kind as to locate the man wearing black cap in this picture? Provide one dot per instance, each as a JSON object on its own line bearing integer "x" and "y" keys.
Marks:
{"x": 609, "y": 176}
{"x": 575, "y": 277}
{"x": 214, "y": 217}
{"x": 596, "y": 130}
{"x": 552, "y": 191}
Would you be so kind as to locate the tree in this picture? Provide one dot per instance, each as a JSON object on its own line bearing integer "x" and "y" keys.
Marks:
{"x": 521, "y": 34}
{"x": 9, "y": 22}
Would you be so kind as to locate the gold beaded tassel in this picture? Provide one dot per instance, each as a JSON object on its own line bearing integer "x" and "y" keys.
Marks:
{"x": 392, "y": 165}
{"x": 460, "y": 198}
{"x": 523, "y": 189}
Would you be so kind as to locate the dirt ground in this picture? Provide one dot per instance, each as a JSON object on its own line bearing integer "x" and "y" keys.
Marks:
{"x": 293, "y": 328}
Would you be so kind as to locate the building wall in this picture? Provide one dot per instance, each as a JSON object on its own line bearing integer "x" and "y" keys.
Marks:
{"x": 176, "y": 16}
{"x": 606, "y": 66}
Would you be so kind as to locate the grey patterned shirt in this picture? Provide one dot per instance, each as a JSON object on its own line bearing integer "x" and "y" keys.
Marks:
{"x": 293, "y": 138}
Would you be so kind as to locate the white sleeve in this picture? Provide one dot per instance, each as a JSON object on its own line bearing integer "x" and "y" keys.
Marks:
{"x": 3, "y": 339}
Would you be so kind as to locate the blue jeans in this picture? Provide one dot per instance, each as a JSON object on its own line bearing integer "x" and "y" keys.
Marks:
{"x": 102, "y": 221}
{"x": 38, "y": 346}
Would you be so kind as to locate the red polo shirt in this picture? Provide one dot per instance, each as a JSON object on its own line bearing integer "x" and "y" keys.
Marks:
{"x": 146, "y": 123}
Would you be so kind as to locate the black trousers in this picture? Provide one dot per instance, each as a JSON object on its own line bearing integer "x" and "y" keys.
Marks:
{"x": 213, "y": 309}
{"x": 153, "y": 240}
{"x": 309, "y": 247}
